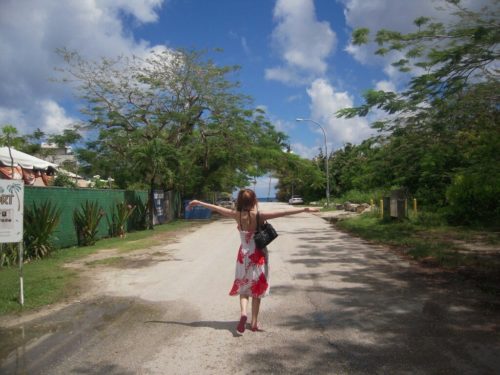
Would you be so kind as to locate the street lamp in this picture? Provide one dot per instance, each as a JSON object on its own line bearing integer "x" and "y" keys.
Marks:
{"x": 326, "y": 159}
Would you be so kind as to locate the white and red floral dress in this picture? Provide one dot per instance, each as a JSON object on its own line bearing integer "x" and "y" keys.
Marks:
{"x": 251, "y": 276}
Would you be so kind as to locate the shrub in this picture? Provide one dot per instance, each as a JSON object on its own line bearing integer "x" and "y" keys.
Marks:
{"x": 139, "y": 218}
{"x": 357, "y": 196}
{"x": 119, "y": 218}
{"x": 474, "y": 198}
{"x": 40, "y": 222}
{"x": 9, "y": 254}
{"x": 429, "y": 219}
{"x": 86, "y": 222}
{"x": 64, "y": 180}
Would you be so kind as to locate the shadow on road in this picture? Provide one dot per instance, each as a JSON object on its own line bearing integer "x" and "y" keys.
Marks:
{"x": 374, "y": 312}
{"x": 219, "y": 326}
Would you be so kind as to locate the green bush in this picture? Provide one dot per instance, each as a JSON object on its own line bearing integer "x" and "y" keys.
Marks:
{"x": 428, "y": 219}
{"x": 9, "y": 254}
{"x": 474, "y": 199}
{"x": 86, "y": 222}
{"x": 64, "y": 180}
{"x": 40, "y": 222}
{"x": 119, "y": 218}
{"x": 357, "y": 196}
{"x": 138, "y": 220}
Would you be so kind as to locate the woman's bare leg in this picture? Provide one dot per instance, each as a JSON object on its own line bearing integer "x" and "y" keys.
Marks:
{"x": 243, "y": 319}
{"x": 255, "y": 311}
{"x": 243, "y": 304}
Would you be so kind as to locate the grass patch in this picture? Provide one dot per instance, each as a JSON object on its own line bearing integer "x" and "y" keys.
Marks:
{"x": 47, "y": 281}
{"x": 426, "y": 240}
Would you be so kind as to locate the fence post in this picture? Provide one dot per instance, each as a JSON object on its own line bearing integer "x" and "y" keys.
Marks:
{"x": 415, "y": 205}
{"x": 386, "y": 212}
{"x": 381, "y": 208}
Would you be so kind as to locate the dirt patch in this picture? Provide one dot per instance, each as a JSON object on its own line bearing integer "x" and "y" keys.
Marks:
{"x": 90, "y": 267}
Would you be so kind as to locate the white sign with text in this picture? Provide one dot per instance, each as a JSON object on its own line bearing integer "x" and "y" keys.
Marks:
{"x": 11, "y": 210}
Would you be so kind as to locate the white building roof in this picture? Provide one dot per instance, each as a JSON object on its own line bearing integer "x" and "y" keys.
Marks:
{"x": 23, "y": 160}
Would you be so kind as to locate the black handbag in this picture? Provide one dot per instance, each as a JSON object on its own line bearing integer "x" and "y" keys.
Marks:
{"x": 264, "y": 234}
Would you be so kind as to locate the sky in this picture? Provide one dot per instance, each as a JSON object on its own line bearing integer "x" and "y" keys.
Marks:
{"x": 296, "y": 56}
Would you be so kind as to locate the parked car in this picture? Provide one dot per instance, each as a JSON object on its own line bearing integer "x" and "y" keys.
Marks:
{"x": 225, "y": 202}
{"x": 295, "y": 199}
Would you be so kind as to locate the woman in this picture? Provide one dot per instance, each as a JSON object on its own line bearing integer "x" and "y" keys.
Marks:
{"x": 252, "y": 278}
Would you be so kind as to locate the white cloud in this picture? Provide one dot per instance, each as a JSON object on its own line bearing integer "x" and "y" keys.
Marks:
{"x": 385, "y": 86}
{"x": 32, "y": 30}
{"x": 303, "y": 42}
{"x": 53, "y": 117}
{"x": 45, "y": 114}
{"x": 12, "y": 116}
{"x": 325, "y": 102}
{"x": 305, "y": 151}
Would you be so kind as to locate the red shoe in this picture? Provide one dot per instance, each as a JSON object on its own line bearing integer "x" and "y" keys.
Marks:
{"x": 241, "y": 325}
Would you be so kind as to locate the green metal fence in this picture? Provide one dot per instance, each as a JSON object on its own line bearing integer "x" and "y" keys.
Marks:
{"x": 70, "y": 199}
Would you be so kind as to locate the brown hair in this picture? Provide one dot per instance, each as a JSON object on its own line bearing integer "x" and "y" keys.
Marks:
{"x": 246, "y": 200}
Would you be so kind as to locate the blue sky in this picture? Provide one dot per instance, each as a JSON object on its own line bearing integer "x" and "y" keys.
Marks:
{"x": 295, "y": 55}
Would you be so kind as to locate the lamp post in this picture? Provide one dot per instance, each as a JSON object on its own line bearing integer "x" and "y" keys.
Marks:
{"x": 326, "y": 159}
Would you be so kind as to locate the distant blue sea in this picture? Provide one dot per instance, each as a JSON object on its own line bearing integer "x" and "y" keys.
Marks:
{"x": 272, "y": 199}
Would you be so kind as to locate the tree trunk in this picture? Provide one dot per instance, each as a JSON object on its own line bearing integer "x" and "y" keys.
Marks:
{"x": 151, "y": 205}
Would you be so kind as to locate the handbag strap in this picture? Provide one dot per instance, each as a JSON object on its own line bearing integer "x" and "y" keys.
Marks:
{"x": 258, "y": 226}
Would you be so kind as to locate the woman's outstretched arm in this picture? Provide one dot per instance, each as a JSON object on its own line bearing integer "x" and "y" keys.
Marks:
{"x": 293, "y": 211}
{"x": 221, "y": 210}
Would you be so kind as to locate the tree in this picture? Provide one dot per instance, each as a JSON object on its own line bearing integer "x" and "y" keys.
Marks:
{"x": 298, "y": 176}
{"x": 173, "y": 118}
{"x": 445, "y": 123}
{"x": 449, "y": 58}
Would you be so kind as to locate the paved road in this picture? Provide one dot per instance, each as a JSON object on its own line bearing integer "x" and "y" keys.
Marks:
{"x": 337, "y": 306}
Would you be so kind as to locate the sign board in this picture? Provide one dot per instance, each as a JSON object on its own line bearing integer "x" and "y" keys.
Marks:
{"x": 11, "y": 210}
{"x": 159, "y": 203}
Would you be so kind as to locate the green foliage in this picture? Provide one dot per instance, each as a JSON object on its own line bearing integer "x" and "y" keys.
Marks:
{"x": 172, "y": 121}
{"x": 64, "y": 180}
{"x": 475, "y": 198}
{"x": 453, "y": 55}
{"x": 302, "y": 177}
{"x": 86, "y": 222}
{"x": 429, "y": 219}
{"x": 360, "y": 36}
{"x": 9, "y": 254}
{"x": 444, "y": 124}
{"x": 119, "y": 218}
{"x": 356, "y": 196}
{"x": 40, "y": 223}
{"x": 138, "y": 219}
